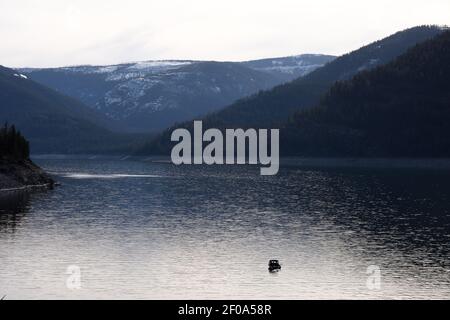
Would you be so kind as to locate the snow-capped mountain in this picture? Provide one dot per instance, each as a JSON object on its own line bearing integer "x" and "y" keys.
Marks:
{"x": 152, "y": 95}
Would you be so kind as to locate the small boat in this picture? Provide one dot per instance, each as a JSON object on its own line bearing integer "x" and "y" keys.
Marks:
{"x": 274, "y": 266}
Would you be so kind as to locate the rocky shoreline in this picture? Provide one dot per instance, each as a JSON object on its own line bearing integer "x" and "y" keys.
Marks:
{"x": 22, "y": 175}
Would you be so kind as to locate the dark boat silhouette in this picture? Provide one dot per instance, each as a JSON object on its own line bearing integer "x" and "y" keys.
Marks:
{"x": 274, "y": 266}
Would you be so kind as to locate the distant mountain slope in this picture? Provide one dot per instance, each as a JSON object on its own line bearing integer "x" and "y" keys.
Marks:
{"x": 273, "y": 107}
{"x": 153, "y": 95}
{"x": 290, "y": 68}
{"x": 52, "y": 122}
{"x": 401, "y": 109}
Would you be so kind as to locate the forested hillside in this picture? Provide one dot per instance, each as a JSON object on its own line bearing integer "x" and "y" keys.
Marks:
{"x": 400, "y": 110}
{"x": 272, "y": 107}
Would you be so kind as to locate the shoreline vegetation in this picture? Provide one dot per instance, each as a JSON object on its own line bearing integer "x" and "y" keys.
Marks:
{"x": 22, "y": 175}
{"x": 17, "y": 171}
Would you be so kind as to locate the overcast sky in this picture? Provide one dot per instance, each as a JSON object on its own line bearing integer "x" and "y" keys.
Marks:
{"x": 40, "y": 33}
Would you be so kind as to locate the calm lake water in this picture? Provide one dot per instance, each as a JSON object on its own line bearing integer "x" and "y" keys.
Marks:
{"x": 144, "y": 230}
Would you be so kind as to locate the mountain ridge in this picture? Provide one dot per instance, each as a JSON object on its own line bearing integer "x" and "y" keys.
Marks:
{"x": 151, "y": 95}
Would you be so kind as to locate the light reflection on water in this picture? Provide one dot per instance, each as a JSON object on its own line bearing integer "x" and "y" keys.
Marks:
{"x": 156, "y": 231}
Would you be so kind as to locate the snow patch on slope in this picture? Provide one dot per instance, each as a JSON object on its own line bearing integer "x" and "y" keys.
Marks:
{"x": 19, "y": 75}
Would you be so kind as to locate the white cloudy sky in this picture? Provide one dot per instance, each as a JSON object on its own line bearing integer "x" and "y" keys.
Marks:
{"x": 68, "y": 32}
